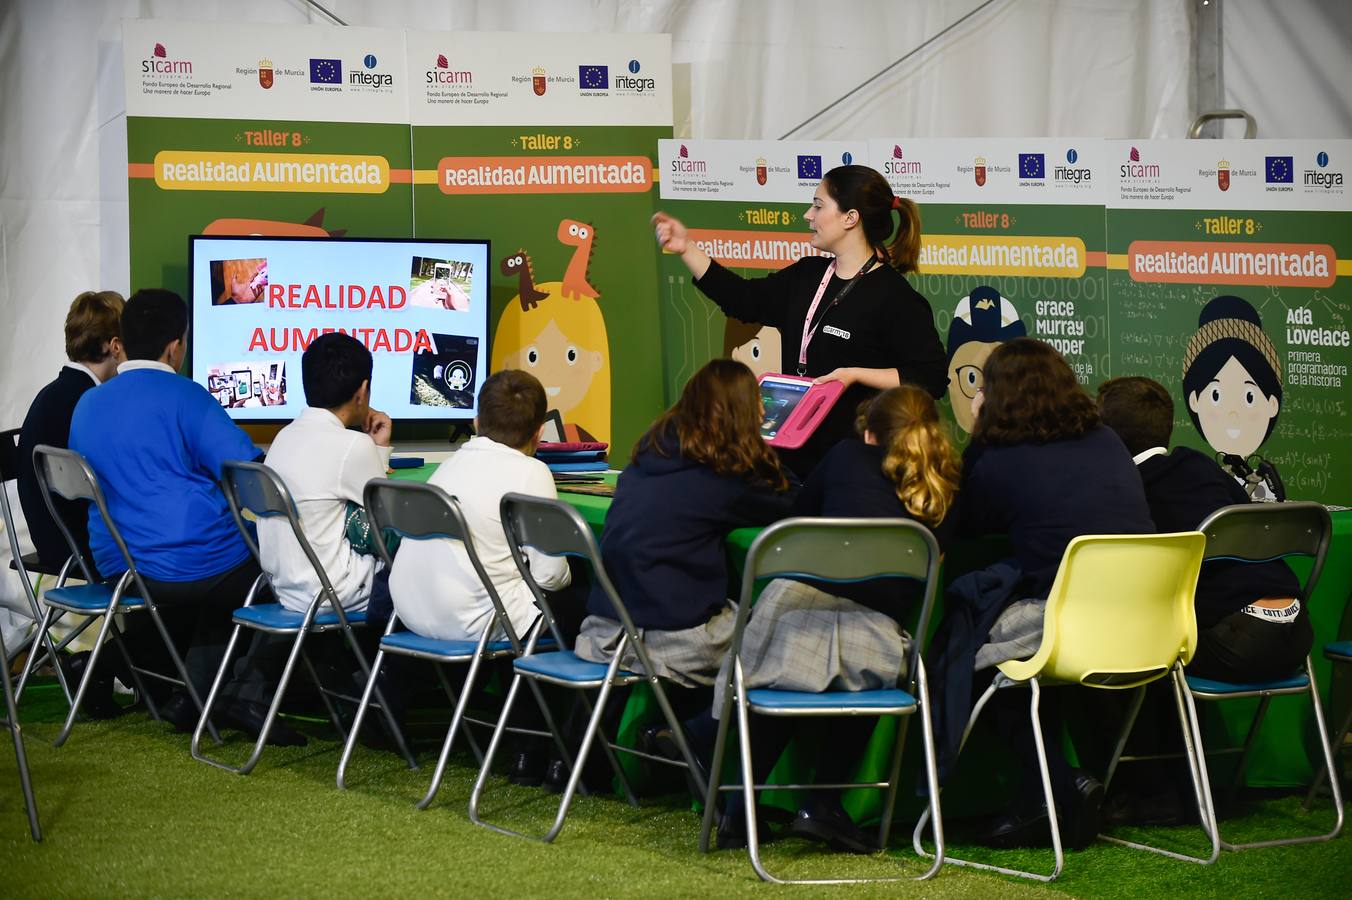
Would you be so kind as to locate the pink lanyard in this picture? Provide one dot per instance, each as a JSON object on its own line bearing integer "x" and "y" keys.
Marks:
{"x": 810, "y": 330}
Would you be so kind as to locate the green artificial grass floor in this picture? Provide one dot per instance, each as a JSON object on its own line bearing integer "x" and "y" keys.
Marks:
{"x": 126, "y": 812}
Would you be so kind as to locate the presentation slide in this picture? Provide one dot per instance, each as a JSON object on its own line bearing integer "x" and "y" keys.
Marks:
{"x": 419, "y": 306}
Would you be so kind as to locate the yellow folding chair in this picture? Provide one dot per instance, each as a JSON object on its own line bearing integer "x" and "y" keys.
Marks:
{"x": 1119, "y": 615}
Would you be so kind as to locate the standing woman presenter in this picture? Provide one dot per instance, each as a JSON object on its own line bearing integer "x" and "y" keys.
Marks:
{"x": 851, "y": 316}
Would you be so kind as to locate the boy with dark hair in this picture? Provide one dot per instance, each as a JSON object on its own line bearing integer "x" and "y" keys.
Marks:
{"x": 326, "y": 457}
{"x": 94, "y": 350}
{"x": 435, "y": 590}
{"x": 157, "y": 442}
{"x": 1250, "y": 624}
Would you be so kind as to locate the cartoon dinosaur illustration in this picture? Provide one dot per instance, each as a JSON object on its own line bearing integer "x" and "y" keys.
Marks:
{"x": 579, "y": 235}
{"x": 520, "y": 266}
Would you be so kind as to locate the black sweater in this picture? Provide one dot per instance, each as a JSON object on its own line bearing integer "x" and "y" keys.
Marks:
{"x": 48, "y": 422}
{"x": 849, "y": 483}
{"x": 663, "y": 543}
{"x": 883, "y": 323}
{"x": 1045, "y": 495}
{"x": 1183, "y": 488}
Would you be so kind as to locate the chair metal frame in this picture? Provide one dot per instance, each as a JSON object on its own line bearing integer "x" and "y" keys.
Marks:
{"x": 554, "y": 528}
{"x": 835, "y": 550}
{"x": 1265, "y": 532}
{"x": 1030, "y": 673}
{"x": 67, "y": 473}
{"x": 258, "y": 489}
{"x": 426, "y": 512}
{"x": 11, "y": 722}
{"x": 9, "y": 471}
{"x": 1337, "y": 653}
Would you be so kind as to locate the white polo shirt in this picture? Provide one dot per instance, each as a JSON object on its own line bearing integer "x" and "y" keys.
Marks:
{"x": 324, "y": 465}
{"x": 435, "y": 590}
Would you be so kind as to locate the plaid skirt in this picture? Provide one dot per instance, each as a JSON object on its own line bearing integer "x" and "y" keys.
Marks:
{"x": 689, "y": 657}
{"x": 1015, "y": 635}
{"x": 800, "y": 638}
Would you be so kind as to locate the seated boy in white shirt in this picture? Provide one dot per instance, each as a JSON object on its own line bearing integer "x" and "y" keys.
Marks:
{"x": 326, "y": 457}
{"x": 436, "y": 592}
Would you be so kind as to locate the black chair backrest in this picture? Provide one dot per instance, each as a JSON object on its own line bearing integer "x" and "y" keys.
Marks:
{"x": 1261, "y": 532}
{"x": 416, "y": 511}
{"x": 548, "y": 526}
{"x": 254, "y": 487}
{"x": 68, "y": 474}
{"x": 425, "y": 511}
{"x": 9, "y": 455}
{"x": 845, "y": 550}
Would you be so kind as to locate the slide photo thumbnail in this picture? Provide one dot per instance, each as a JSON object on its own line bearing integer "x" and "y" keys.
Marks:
{"x": 248, "y": 384}
{"x": 445, "y": 377}
{"x": 440, "y": 283}
{"x": 238, "y": 281}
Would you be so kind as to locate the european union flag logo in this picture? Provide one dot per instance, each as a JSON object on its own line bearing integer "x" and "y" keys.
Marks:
{"x": 1032, "y": 165}
{"x": 594, "y": 78}
{"x": 809, "y": 167}
{"x": 1279, "y": 169}
{"x": 326, "y": 71}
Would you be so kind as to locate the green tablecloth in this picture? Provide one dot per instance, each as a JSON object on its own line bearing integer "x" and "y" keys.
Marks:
{"x": 1287, "y": 745}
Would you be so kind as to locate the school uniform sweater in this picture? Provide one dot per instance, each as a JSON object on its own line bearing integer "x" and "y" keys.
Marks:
{"x": 883, "y": 323}
{"x": 849, "y": 483}
{"x": 1183, "y": 488}
{"x": 1044, "y": 495}
{"x": 663, "y": 544}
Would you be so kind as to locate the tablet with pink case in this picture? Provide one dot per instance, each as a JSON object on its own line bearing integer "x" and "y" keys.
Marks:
{"x": 794, "y": 407}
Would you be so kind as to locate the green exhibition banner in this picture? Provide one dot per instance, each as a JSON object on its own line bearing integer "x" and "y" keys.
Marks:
{"x": 544, "y": 145}
{"x": 743, "y": 202}
{"x": 1224, "y": 267}
{"x": 1012, "y": 245}
{"x": 233, "y": 131}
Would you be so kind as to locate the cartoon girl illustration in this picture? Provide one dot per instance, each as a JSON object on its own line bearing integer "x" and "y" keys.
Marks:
{"x": 755, "y": 345}
{"x": 563, "y": 343}
{"x": 1232, "y": 382}
{"x": 982, "y": 321}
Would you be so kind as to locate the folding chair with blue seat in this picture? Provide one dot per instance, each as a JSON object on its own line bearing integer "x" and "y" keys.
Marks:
{"x": 426, "y": 512}
{"x": 1119, "y": 615}
{"x": 832, "y": 550}
{"x": 255, "y": 488}
{"x": 26, "y": 565}
{"x": 67, "y": 474}
{"x": 21, "y": 758}
{"x": 1263, "y": 532}
{"x": 553, "y": 528}
{"x": 1338, "y": 653}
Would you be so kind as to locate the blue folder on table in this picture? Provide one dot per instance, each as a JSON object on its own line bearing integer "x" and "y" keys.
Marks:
{"x": 598, "y": 466}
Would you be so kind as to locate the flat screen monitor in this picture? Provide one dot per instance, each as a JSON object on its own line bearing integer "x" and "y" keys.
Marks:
{"x": 419, "y": 306}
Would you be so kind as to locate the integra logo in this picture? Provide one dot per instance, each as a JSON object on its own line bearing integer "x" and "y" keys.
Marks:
{"x": 1134, "y": 168}
{"x": 444, "y": 74}
{"x": 899, "y": 165}
{"x": 632, "y": 81}
{"x": 683, "y": 163}
{"x": 1326, "y": 180}
{"x": 1071, "y": 173}
{"x": 160, "y": 63}
{"x": 370, "y": 78}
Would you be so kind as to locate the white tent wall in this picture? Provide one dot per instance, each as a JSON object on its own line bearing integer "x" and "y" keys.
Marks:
{"x": 745, "y": 69}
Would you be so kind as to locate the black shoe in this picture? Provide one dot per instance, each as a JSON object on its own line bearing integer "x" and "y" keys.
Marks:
{"x": 98, "y": 702}
{"x": 1018, "y": 830}
{"x": 179, "y": 712}
{"x": 1084, "y": 813}
{"x": 248, "y": 717}
{"x": 658, "y": 740}
{"x": 527, "y": 769}
{"x": 731, "y": 834}
{"x": 831, "y": 825}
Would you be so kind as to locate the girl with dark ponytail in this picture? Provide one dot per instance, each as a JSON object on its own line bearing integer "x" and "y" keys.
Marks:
{"x": 845, "y": 312}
